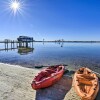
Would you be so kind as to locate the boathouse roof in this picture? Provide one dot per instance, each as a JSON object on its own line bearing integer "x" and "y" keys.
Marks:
{"x": 25, "y": 39}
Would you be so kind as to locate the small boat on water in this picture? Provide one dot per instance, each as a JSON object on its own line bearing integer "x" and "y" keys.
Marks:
{"x": 48, "y": 77}
{"x": 86, "y": 83}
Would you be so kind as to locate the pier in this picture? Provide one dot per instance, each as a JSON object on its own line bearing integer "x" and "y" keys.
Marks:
{"x": 27, "y": 42}
{"x": 24, "y": 41}
{"x": 24, "y": 44}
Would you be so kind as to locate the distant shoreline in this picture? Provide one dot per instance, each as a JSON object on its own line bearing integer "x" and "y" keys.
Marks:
{"x": 55, "y": 41}
{"x": 72, "y": 41}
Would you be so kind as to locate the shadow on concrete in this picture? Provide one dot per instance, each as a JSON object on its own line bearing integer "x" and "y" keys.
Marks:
{"x": 56, "y": 91}
{"x": 62, "y": 90}
{"x": 98, "y": 95}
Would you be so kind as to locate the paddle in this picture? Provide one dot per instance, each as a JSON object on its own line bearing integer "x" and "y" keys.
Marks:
{"x": 49, "y": 66}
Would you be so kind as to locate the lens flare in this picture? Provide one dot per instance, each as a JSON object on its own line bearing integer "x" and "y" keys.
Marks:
{"x": 15, "y": 6}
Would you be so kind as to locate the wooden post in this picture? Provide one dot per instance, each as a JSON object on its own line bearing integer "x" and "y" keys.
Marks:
{"x": 16, "y": 44}
{"x": 20, "y": 44}
{"x": 32, "y": 44}
{"x": 5, "y": 45}
{"x": 11, "y": 45}
{"x": 26, "y": 44}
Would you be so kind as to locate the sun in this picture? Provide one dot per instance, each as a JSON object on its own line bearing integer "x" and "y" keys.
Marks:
{"x": 15, "y": 6}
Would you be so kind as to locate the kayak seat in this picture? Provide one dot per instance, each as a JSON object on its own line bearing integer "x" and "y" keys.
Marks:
{"x": 58, "y": 69}
{"x": 44, "y": 74}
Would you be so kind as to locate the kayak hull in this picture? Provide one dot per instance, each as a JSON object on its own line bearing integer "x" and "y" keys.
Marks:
{"x": 47, "y": 81}
{"x": 86, "y": 84}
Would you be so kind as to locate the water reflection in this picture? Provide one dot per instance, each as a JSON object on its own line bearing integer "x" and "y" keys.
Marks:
{"x": 44, "y": 53}
{"x": 21, "y": 47}
{"x": 25, "y": 50}
{"x": 60, "y": 43}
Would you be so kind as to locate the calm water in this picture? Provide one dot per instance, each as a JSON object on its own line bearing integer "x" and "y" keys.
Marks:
{"x": 76, "y": 54}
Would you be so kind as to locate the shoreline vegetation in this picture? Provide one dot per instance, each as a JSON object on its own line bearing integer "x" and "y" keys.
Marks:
{"x": 15, "y": 84}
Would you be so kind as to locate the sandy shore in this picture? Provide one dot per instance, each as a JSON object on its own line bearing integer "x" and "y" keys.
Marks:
{"x": 15, "y": 84}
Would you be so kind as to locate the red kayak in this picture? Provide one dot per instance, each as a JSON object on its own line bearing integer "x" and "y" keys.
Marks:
{"x": 48, "y": 77}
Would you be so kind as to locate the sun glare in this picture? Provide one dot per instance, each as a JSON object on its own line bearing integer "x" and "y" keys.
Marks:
{"x": 15, "y": 6}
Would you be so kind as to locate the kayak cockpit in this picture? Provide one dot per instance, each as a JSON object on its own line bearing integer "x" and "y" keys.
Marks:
{"x": 86, "y": 83}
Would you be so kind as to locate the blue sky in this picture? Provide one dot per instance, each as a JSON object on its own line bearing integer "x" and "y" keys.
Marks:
{"x": 52, "y": 19}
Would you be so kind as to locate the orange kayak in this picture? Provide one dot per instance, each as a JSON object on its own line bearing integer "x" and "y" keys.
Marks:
{"x": 86, "y": 84}
{"x": 48, "y": 77}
